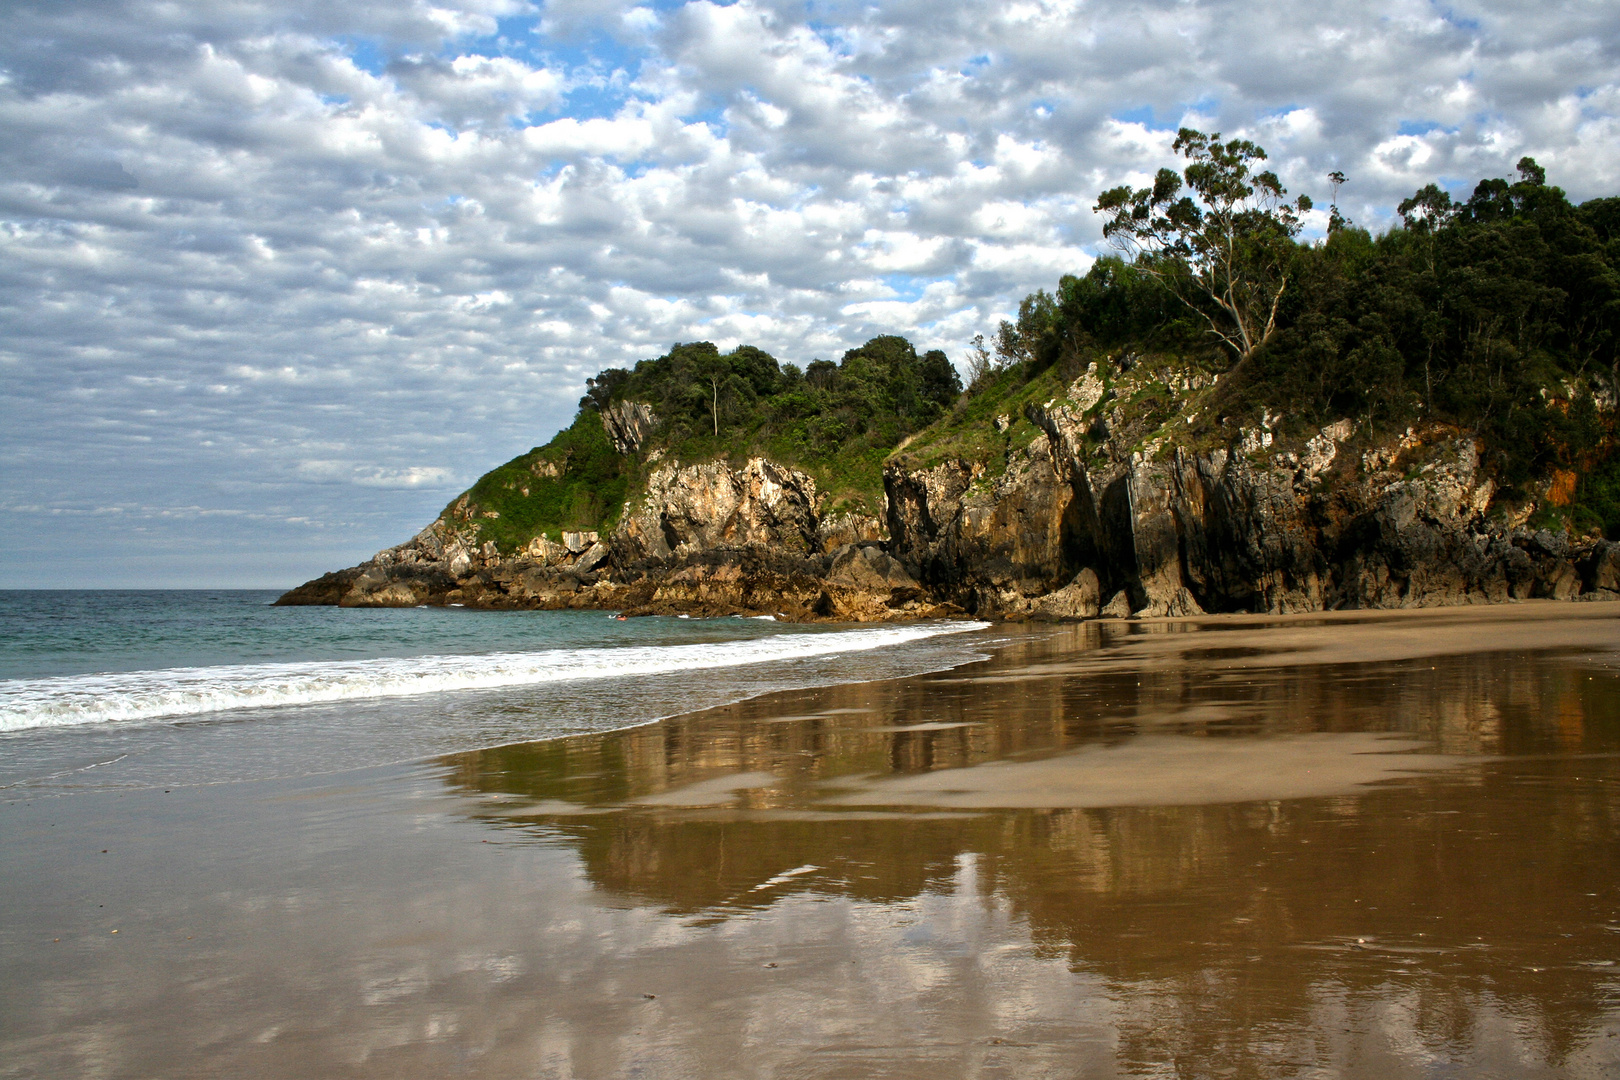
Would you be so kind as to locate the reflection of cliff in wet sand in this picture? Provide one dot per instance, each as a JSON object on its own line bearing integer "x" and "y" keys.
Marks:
{"x": 700, "y": 898}
{"x": 1241, "y": 828}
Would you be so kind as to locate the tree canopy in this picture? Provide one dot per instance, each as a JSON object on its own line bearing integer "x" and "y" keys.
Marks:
{"x": 1226, "y": 248}
{"x": 1496, "y": 314}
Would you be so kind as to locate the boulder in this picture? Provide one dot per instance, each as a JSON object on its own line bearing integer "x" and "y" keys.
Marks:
{"x": 1077, "y": 600}
{"x": 1118, "y": 607}
{"x": 866, "y": 567}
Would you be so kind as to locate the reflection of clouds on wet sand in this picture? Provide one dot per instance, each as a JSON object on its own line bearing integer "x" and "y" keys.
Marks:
{"x": 1190, "y": 863}
{"x": 1302, "y": 828}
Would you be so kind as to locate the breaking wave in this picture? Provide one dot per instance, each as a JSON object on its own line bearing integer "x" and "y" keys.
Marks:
{"x": 72, "y": 700}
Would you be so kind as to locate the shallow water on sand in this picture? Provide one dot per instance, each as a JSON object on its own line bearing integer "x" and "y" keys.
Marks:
{"x": 1374, "y": 846}
{"x": 129, "y": 690}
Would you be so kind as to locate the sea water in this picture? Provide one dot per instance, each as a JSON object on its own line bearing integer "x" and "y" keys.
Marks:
{"x": 154, "y": 688}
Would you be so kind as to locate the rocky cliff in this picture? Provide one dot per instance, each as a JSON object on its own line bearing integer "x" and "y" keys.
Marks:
{"x": 1081, "y": 505}
{"x": 705, "y": 538}
{"x": 1181, "y": 532}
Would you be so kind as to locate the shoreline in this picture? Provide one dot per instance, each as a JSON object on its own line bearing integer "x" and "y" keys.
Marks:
{"x": 1215, "y": 648}
{"x": 926, "y": 858}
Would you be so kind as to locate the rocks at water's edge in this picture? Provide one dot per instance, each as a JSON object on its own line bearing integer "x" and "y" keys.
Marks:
{"x": 705, "y": 539}
{"x": 1146, "y": 532}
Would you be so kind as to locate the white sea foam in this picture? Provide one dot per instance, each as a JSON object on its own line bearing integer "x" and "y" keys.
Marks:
{"x": 174, "y": 692}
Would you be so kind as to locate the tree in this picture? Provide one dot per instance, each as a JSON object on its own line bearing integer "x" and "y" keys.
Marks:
{"x": 978, "y": 363}
{"x": 1337, "y": 222}
{"x": 1227, "y": 249}
{"x": 601, "y": 390}
{"x": 822, "y": 374}
{"x": 714, "y": 381}
{"x": 941, "y": 385}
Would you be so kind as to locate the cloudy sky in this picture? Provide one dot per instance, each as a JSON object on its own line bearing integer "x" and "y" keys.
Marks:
{"x": 279, "y": 277}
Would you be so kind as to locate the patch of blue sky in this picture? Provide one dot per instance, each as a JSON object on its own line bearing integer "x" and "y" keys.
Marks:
{"x": 1155, "y": 119}
{"x": 974, "y": 65}
{"x": 1142, "y": 114}
{"x": 1422, "y": 127}
{"x": 1148, "y": 117}
{"x": 589, "y": 101}
{"x": 595, "y": 51}
{"x": 908, "y": 287}
{"x": 1450, "y": 16}
{"x": 713, "y": 115}
{"x": 832, "y": 34}
{"x": 598, "y": 66}
{"x": 368, "y": 53}
{"x": 1456, "y": 186}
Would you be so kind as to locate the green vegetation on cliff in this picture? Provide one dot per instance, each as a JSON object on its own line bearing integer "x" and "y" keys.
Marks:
{"x": 1496, "y": 316}
{"x": 836, "y": 421}
{"x": 576, "y": 481}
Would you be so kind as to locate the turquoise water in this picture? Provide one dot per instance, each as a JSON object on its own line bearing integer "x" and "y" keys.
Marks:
{"x": 49, "y": 633}
{"x": 151, "y": 688}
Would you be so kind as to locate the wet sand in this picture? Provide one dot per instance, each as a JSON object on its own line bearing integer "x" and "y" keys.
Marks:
{"x": 1351, "y": 845}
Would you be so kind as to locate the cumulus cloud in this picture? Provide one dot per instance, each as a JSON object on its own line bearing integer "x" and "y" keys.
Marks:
{"x": 312, "y": 266}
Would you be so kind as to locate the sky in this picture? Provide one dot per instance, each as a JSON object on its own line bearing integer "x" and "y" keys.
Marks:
{"x": 278, "y": 278}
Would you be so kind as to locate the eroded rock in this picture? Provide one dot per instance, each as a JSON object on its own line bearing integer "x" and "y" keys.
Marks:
{"x": 628, "y": 424}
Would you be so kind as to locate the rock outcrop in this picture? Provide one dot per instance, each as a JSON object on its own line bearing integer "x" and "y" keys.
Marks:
{"x": 1180, "y": 533}
{"x": 1083, "y": 519}
{"x": 707, "y": 539}
{"x": 628, "y": 424}
{"x": 695, "y": 508}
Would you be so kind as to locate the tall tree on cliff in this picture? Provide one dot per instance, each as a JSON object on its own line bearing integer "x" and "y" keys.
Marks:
{"x": 1225, "y": 250}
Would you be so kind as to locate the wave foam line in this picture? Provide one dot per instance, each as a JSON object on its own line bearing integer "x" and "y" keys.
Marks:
{"x": 71, "y": 700}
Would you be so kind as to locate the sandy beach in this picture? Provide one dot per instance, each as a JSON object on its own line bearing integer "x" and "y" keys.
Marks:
{"x": 1363, "y": 844}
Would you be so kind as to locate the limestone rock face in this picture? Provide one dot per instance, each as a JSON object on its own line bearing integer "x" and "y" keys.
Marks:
{"x": 1011, "y": 529}
{"x": 544, "y": 550}
{"x": 694, "y": 508}
{"x": 701, "y": 539}
{"x": 1087, "y": 390}
{"x": 577, "y": 542}
{"x": 1601, "y": 570}
{"x": 836, "y": 530}
{"x": 865, "y": 566}
{"x": 1175, "y": 533}
{"x": 628, "y": 423}
{"x": 1117, "y": 608}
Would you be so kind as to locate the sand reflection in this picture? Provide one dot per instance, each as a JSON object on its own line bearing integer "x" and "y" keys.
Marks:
{"x": 1315, "y": 849}
{"x": 1325, "y": 848}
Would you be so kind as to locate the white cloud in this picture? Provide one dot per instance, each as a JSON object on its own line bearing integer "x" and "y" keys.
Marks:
{"x": 241, "y": 239}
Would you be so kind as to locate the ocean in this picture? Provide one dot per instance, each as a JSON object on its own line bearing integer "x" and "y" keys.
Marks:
{"x": 133, "y": 689}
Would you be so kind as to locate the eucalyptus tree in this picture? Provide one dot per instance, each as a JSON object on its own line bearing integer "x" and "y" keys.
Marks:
{"x": 1225, "y": 247}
